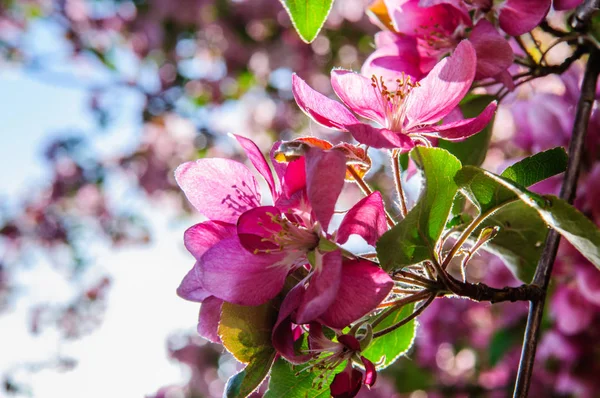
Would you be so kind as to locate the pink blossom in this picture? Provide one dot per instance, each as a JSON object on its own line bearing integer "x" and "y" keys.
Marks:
{"x": 246, "y": 251}
{"x": 408, "y": 114}
{"x": 424, "y": 32}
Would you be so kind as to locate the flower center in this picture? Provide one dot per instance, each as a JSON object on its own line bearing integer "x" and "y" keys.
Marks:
{"x": 394, "y": 102}
{"x": 287, "y": 234}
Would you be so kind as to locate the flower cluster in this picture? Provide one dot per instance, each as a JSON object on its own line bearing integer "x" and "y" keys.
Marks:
{"x": 330, "y": 309}
{"x": 285, "y": 253}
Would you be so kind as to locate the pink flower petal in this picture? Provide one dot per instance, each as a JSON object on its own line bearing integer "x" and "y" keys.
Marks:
{"x": 258, "y": 160}
{"x": 494, "y": 54}
{"x": 321, "y": 109}
{"x": 588, "y": 280}
{"x": 366, "y": 218}
{"x": 278, "y": 167}
{"x": 443, "y": 88}
{"x": 209, "y": 317}
{"x": 572, "y": 312}
{"x": 326, "y": 171}
{"x": 191, "y": 287}
{"x": 220, "y": 189}
{"x": 232, "y": 273}
{"x": 322, "y": 289}
{"x": 256, "y": 225}
{"x": 283, "y": 334}
{"x": 201, "y": 237}
{"x": 347, "y": 383}
{"x": 363, "y": 286}
{"x": 412, "y": 20}
{"x": 561, "y": 5}
{"x": 380, "y": 138}
{"x": 358, "y": 94}
{"x": 520, "y": 16}
{"x": 395, "y": 54}
{"x": 370, "y": 372}
{"x": 456, "y": 131}
{"x": 294, "y": 178}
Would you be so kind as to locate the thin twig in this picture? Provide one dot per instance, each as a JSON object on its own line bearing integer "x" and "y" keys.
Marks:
{"x": 544, "y": 269}
{"x": 409, "y": 318}
{"x": 399, "y": 303}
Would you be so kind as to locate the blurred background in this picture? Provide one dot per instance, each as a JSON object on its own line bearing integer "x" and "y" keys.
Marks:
{"x": 99, "y": 101}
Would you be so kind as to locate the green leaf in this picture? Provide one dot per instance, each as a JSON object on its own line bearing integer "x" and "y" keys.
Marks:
{"x": 538, "y": 167}
{"x": 386, "y": 349}
{"x": 286, "y": 383}
{"x": 308, "y": 16}
{"x": 246, "y": 331}
{"x": 558, "y": 214}
{"x": 472, "y": 151}
{"x": 245, "y": 382}
{"x": 520, "y": 240}
{"x": 486, "y": 195}
{"x": 414, "y": 238}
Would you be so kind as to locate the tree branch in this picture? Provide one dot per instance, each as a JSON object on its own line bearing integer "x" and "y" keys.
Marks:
{"x": 544, "y": 269}
{"x": 583, "y": 14}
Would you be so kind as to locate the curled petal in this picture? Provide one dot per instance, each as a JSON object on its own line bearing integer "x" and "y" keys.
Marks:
{"x": 321, "y": 109}
{"x": 366, "y": 218}
{"x": 191, "y": 287}
{"x": 220, "y": 189}
{"x": 294, "y": 178}
{"x": 322, "y": 289}
{"x": 209, "y": 317}
{"x": 347, "y": 383}
{"x": 456, "y": 131}
{"x": 380, "y": 138}
{"x": 358, "y": 94}
{"x": 326, "y": 172}
{"x": 443, "y": 88}
{"x": 394, "y": 54}
{"x": 201, "y": 237}
{"x": 494, "y": 54}
{"x": 520, "y": 16}
{"x": 233, "y": 274}
{"x": 370, "y": 372}
{"x": 283, "y": 331}
{"x": 258, "y": 160}
{"x": 363, "y": 286}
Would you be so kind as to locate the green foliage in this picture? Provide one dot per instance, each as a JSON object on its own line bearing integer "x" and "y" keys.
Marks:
{"x": 245, "y": 382}
{"x": 413, "y": 239}
{"x": 520, "y": 240}
{"x": 308, "y": 16}
{"x": 472, "y": 151}
{"x": 246, "y": 331}
{"x": 538, "y": 167}
{"x": 487, "y": 195}
{"x": 555, "y": 212}
{"x": 522, "y": 233}
{"x": 386, "y": 349}
{"x": 287, "y": 382}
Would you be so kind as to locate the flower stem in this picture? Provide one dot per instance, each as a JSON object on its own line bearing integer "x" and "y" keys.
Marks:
{"x": 468, "y": 231}
{"x": 398, "y": 178}
{"x": 367, "y": 191}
